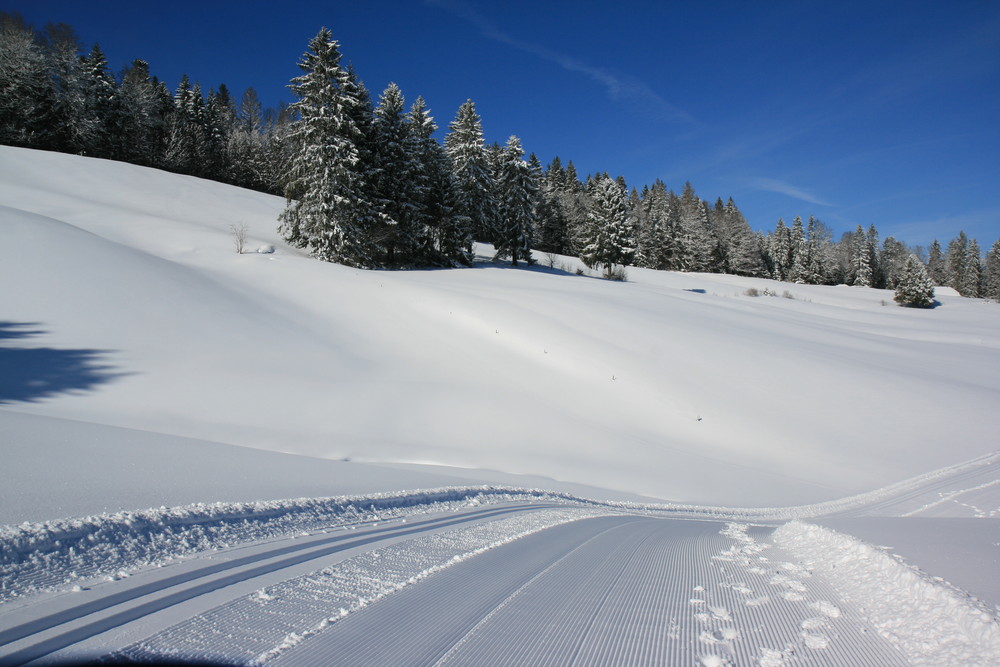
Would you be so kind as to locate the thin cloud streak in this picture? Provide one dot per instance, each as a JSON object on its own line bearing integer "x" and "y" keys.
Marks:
{"x": 618, "y": 87}
{"x": 781, "y": 187}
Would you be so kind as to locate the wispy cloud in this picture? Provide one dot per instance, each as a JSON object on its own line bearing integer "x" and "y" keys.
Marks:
{"x": 781, "y": 187}
{"x": 619, "y": 87}
{"x": 980, "y": 224}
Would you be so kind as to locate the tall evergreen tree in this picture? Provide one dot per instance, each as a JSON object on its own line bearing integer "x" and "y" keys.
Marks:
{"x": 27, "y": 94}
{"x": 861, "y": 260}
{"x": 991, "y": 273}
{"x": 970, "y": 284}
{"x": 914, "y": 289}
{"x": 323, "y": 211}
{"x": 695, "y": 239}
{"x": 936, "y": 264}
{"x": 447, "y": 237}
{"x": 954, "y": 261}
{"x": 471, "y": 170}
{"x": 892, "y": 259}
{"x": 393, "y": 179}
{"x": 780, "y": 251}
{"x": 517, "y": 192}
{"x": 799, "y": 252}
{"x": 609, "y": 237}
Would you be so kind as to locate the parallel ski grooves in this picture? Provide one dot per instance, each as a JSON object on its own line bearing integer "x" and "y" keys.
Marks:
{"x": 608, "y": 591}
{"x": 184, "y": 586}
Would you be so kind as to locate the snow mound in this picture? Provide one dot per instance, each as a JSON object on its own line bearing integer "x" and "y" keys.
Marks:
{"x": 930, "y": 623}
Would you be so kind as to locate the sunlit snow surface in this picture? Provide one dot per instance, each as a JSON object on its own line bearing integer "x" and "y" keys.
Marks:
{"x": 147, "y": 365}
{"x": 122, "y": 286}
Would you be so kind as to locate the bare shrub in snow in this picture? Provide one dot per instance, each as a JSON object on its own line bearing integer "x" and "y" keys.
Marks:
{"x": 239, "y": 236}
{"x": 618, "y": 273}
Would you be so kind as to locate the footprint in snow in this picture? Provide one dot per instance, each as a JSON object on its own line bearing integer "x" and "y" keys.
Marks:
{"x": 826, "y": 608}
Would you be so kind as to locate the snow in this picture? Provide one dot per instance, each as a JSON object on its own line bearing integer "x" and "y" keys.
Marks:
{"x": 931, "y": 624}
{"x": 643, "y": 387}
{"x": 165, "y": 402}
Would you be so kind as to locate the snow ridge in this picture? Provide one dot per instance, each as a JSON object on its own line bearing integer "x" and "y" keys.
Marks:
{"x": 48, "y": 555}
{"x": 929, "y": 623}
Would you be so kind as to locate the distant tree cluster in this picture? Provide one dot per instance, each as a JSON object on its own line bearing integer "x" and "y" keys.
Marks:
{"x": 54, "y": 97}
{"x": 368, "y": 185}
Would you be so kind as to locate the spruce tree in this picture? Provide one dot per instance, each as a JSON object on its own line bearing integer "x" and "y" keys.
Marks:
{"x": 447, "y": 237}
{"x": 323, "y": 210}
{"x": 696, "y": 240}
{"x": 936, "y": 264}
{"x": 609, "y": 236}
{"x": 861, "y": 263}
{"x": 991, "y": 273}
{"x": 517, "y": 192}
{"x": 914, "y": 289}
{"x": 393, "y": 181}
{"x": 27, "y": 93}
{"x": 891, "y": 261}
{"x": 799, "y": 252}
{"x": 780, "y": 247}
{"x": 954, "y": 261}
{"x": 471, "y": 171}
{"x": 971, "y": 283}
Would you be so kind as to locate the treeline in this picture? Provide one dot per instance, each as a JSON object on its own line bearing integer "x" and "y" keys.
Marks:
{"x": 368, "y": 185}
{"x": 55, "y": 97}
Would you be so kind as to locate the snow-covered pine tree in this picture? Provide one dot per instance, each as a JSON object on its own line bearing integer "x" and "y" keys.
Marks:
{"x": 871, "y": 244}
{"x": 100, "y": 95}
{"x": 27, "y": 94}
{"x": 991, "y": 273}
{"x": 138, "y": 123}
{"x": 972, "y": 279}
{"x": 551, "y": 232}
{"x": 609, "y": 235}
{"x": 914, "y": 288}
{"x": 516, "y": 197}
{"x": 743, "y": 254}
{"x": 780, "y": 251}
{"x": 861, "y": 262}
{"x": 654, "y": 233}
{"x": 954, "y": 261}
{"x": 799, "y": 252}
{"x": 471, "y": 171}
{"x": 891, "y": 261}
{"x": 394, "y": 178}
{"x": 697, "y": 242}
{"x": 935, "y": 264}
{"x": 323, "y": 179}
{"x": 818, "y": 240}
{"x": 447, "y": 238}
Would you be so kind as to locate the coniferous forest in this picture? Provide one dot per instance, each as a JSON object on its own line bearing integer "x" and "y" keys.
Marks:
{"x": 367, "y": 184}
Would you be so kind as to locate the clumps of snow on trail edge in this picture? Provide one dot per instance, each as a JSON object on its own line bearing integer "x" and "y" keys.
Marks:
{"x": 930, "y": 623}
{"x": 51, "y": 555}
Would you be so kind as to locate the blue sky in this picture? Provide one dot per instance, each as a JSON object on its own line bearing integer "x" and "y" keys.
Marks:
{"x": 884, "y": 113}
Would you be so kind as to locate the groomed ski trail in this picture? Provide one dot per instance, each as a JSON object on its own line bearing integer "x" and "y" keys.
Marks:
{"x": 609, "y": 591}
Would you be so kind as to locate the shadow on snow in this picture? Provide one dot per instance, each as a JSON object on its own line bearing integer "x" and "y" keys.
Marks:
{"x": 36, "y": 373}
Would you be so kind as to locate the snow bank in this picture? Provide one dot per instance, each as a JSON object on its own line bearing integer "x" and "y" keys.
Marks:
{"x": 930, "y": 623}
{"x": 53, "y": 554}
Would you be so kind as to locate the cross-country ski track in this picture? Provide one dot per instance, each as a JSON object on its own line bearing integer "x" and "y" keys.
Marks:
{"x": 544, "y": 581}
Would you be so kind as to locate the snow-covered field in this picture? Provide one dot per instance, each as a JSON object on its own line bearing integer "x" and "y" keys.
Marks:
{"x": 146, "y": 367}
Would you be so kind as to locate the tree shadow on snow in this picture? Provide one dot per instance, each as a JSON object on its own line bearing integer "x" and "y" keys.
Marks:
{"x": 35, "y": 373}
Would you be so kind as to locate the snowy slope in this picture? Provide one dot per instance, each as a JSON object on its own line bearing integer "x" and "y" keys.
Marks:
{"x": 124, "y": 305}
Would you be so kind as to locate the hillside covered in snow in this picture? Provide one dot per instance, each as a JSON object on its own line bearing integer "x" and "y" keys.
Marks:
{"x": 147, "y": 363}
